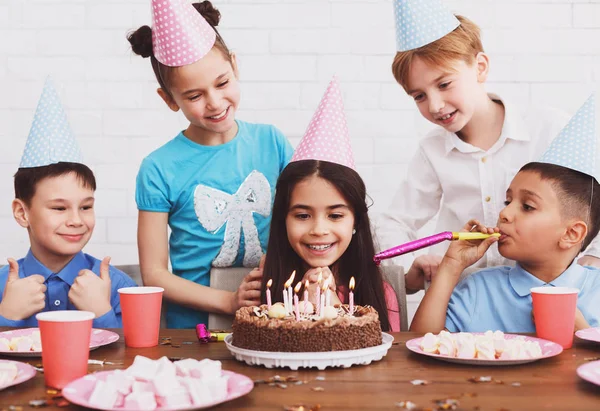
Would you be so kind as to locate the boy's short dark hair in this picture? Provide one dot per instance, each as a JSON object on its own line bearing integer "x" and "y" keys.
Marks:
{"x": 578, "y": 193}
{"x": 27, "y": 179}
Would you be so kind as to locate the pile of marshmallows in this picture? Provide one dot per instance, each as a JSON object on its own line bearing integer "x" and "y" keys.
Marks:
{"x": 148, "y": 384}
{"x": 487, "y": 346}
{"x": 31, "y": 342}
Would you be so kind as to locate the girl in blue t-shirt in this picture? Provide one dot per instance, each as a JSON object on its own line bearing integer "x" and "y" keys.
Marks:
{"x": 212, "y": 184}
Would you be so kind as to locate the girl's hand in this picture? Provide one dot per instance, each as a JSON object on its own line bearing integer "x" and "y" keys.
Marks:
{"x": 312, "y": 276}
{"x": 248, "y": 293}
{"x": 463, "y": 254}
{"x": 422, "y": 269}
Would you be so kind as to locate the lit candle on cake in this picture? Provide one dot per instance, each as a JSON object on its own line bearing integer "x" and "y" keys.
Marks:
{"x": 305, "y": 297}
{"x": 328, "y": 293}
{"x": 322, "y": 302}
{"x": 287, "y": 294}
{"x": 296, "y": 303}
{"x": 269, "y": 284}
{"x": 351, "y": 295}
{"x": 318, "y": 299}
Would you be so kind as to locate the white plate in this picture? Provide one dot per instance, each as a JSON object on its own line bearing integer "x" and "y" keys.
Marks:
{"x": 320, "y": 360}
{"x": 549, "y": 349}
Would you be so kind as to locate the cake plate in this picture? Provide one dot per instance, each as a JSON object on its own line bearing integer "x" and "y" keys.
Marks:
{"x": 320, "y": 360}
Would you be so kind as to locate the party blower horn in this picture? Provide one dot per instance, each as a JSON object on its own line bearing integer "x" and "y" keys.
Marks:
{"x": 429, "y": 241}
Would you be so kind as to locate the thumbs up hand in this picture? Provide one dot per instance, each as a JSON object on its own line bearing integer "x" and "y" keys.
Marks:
{"x": 91, "y": 292}
{"x": 22, "y": 297}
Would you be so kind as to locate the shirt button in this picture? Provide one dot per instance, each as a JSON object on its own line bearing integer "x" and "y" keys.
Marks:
{"x": 57, "y": 302}
{"x": 483, "y": 159}
{"x": 488, "y": 199}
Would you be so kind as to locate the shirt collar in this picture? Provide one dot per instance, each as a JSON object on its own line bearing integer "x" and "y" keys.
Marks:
{"x": 522, "y": 281}
{"x": 513, "y": 128}
{"x": 32, "y": 265}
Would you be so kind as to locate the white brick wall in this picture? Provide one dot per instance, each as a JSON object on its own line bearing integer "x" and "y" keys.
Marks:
{"x": 542, "y": 52}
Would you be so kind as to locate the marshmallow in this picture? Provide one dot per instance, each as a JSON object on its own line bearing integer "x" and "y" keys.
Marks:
{"x": 178, "y": 398}
{"x": 141, "y": 400}
{"x": 142, "y": 368}
{"x": 206, "y": 391}
{"x": 484, "y": 346}
{"x": 24, "y": 344}
{"x": 329, "y": 312}
{"x": 104, "y": 395}
{"x": 447, "y": 345}
{"x": 164, "y": 383}
{"x": 166, "y": 367}
{"x": 142, "y": 386}
{"x": 430, "y": 343}
{"x": 277, "y": 311}
{"x": 309, "y": 307}
{"x": 8, "y": 373}
{"x": 121, "y": 380}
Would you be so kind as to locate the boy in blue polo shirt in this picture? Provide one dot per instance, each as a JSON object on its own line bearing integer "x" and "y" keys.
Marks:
{"x": 54, "y": 200}
{"x": 552, "y": 212}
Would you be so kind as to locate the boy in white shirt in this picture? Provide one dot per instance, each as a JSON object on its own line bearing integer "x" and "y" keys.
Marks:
{"x": 462, "y": 168}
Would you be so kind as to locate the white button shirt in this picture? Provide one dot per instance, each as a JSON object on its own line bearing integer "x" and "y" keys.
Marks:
{"x": 461, "y": 181}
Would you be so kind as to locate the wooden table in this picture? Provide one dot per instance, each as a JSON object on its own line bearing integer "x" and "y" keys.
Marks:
{"x": 546, "y": 384}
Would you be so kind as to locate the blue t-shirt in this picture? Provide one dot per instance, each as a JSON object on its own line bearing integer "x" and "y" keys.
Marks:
{"x": 499, "y": 298}
{"x": 59, "y": 284}
{"x": 219, "y": 201}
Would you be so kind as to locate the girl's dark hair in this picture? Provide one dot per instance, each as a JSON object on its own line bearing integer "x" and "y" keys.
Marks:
{"x": 578, "y": 194}
{"x": 356, "y": 262}
{"x": 141, "y": 43}
{"x": 27, "y": 179}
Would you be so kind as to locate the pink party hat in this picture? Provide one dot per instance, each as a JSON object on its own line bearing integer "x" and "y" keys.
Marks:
{"x": 326, "y": 137}
{"x": 180, "y": 35}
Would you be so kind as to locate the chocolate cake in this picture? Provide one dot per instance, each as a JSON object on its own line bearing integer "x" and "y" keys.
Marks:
{"x": 254, "y": 329}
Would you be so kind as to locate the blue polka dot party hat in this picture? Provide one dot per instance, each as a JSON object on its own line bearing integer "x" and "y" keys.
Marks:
{"x": 575, "y": 147}
{"x": 50, "y": 139}
{"x": 420, "y": 22}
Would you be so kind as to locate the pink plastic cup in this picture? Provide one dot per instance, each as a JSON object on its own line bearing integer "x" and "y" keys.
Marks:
{"x": 65, "y": 339}
{"x": 554, "y": 311}
{"x": 140, "y": 310}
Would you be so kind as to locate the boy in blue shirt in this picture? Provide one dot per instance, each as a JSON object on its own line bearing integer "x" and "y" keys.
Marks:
{"x": 54, "y": 201}
{"x": 552, "y": 212}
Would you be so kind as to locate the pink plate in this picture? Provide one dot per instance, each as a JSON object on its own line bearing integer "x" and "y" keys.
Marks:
{"x": 549, "y": 349}
{"x": 590, "y": 372}
{"x": 25, "y": 372}
{"x": 79, "y": 391}
{"x": 98, "y": 339}
{"x": 590, "y": 334}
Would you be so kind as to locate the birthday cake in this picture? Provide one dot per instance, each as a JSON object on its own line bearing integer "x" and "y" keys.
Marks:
{"x": 335, "y": 329}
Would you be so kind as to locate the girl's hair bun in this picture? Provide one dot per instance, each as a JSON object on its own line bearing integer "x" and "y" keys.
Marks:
{"x": 141, "y": 41}
{"x": 209, "y": 12}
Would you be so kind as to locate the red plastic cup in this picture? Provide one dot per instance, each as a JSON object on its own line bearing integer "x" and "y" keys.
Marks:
{"x": 65, "y": 339}
{"x": 140, "y": 310}
{"x": 554, "y": 311}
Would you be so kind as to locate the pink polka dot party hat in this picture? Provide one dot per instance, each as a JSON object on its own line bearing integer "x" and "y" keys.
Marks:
{"x": 180, "y": 35}
{"x": 326, "y": 137}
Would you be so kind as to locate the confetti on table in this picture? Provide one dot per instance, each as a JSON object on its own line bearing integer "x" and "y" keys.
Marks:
{"x": 302, "y": 407}
{"x": 407, "y": 405}
{"x": 480, "y": 379}
{"x": 420, "y": 382}
{"x": 318, "y": 389}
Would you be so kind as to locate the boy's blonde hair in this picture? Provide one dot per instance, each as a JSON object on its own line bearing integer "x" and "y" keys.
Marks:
{"x": 463, "y": 43}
